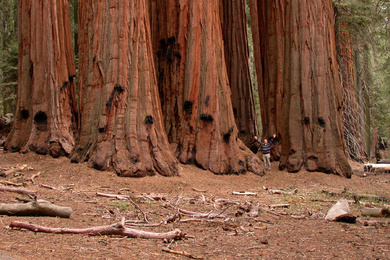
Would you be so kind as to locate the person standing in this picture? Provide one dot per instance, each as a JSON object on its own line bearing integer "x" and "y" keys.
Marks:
{"x": 265, "y": 147}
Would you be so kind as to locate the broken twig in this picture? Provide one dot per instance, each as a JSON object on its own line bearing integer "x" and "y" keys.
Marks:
{"x": 168, "y": 250}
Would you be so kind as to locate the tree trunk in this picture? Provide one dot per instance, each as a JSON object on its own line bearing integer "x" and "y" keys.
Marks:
{"x": 308, "y": 105}
{"x": 268, "y": 28}
{"x": 312, "y": 103}
{"x": 235, "y": 40}
{"x": 121, "y": 119}
{"x": 352, "y": 134}
{"x": 194, "y": 87}
{"x": 46, "y": 114}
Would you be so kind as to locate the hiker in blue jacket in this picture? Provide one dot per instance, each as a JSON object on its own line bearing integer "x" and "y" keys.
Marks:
{"x": 265, "y": 147}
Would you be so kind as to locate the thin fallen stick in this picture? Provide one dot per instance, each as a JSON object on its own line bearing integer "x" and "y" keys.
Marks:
{"x": 152, "y": 197}
{"x": 283, "y": 192}
{"x": 198, "y": 190}
{"x": 168, "y": 250}
{"x": 48, "y": 187}
{"x": 123, "y": 197}
{"x": 114, "y": 229}
{"x": 11, "y": 183}
{"x": 279, "y": 206}
{"x": 17, "y": 190}
{"x": 245, "y": 193}
{"x": 115, "y": 196}
{"x": 201, "y": 215}
{"x": 34, "y": 176}
{"x": 200, "y": 220}
{"x": 138, "y": 207}
{"x": 143, "y": 225}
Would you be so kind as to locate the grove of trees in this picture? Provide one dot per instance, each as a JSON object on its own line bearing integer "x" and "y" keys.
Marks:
{"x": 140, "y": 86}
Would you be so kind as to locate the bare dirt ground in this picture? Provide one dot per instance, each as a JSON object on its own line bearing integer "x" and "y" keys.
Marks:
{"x": 295, "y": 232}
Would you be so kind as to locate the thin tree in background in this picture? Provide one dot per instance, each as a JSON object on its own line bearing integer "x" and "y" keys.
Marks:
{"x": 353, "y": 135}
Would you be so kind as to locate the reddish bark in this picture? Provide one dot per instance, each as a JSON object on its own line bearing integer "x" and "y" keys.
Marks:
{"x": 121, "y": 119}
{"x": 236, "y": 51}
{"x": 268, "y": 32}
{"x": 46, "y": 114}
{"x": 194, "y": 86}
{"x": 301, "y": 45}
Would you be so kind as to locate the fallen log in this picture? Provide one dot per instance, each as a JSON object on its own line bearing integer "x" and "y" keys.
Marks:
{"x": 17, "y": 190}
{"x": 379, "y": 167}
{"x": 375, "y": 212}
{"x": 115, "y": 229}
{"x": 35, "y": 208}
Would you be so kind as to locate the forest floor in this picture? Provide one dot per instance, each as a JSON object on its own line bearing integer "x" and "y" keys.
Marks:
{"x": 297, "y": 231}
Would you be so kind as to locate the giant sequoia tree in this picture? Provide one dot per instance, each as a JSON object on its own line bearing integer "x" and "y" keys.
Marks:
{"x": 309, "y": 88}
{"x": 235, "y": 39}
{"x": 121, "y": 120}
{"x": 131, "y": 117}
{"x": 194, "y": 86}
{"x": 46, "y": 116}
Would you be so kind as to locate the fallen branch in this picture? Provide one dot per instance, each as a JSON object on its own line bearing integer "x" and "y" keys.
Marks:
{"x": 123, "y": 197}
{"x": 208, "y": 215}
{"x": 17, "y": 190}
{"x": 114, "y": 229}
{"x": 280, "y": 206}
{"x": 115, "y": 196}
{"x": 198, "y": 190}
{"x": 138, "y": 207}
{"x": 16, "y": 169}
{"x": 283, "y": 192}
{"x": 200, "y": 220}
{"x": 11, "y": 183}
{"x": 152, "y": 197}
{"x": 168, "y": 250}
{"x": 35, "y": 208}
{"x": 48, "y": 187}
{"x": 245, "y": 193}
{"x": 375, "y": 212}
{"x": 34, "y": 176}
{"x": 222, "y": 202}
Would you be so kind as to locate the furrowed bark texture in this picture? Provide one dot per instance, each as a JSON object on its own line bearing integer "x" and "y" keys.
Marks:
{"x": 121, "y": 119}
{"x": 308, "y": 107}
{"x": 194, "y": 87}
{"x": 46, "y": 114}
{"x": 268, "y": 32}
{"x": 235, "y": 38}
{"x": 352, "y": 133}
